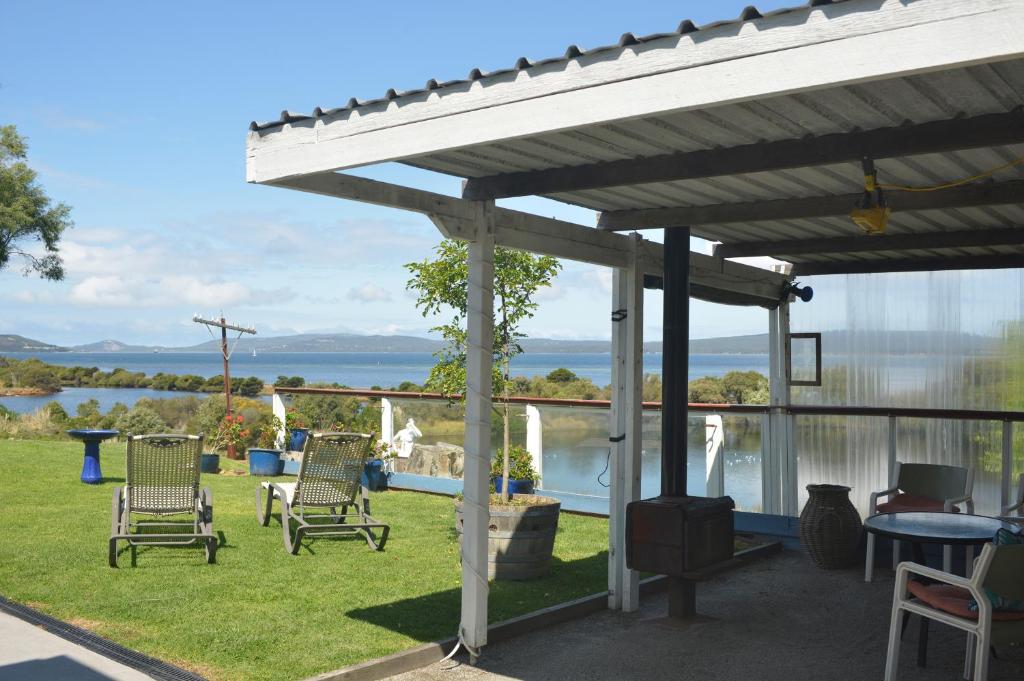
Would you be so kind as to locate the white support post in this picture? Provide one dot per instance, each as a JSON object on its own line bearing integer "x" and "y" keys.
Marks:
{"x": 714, "y": 436}
{"x": 626, "y": 425}
{"x": 891, "y": 455}
{"x": 535, "y": 439}
{"x": 1006, "y": 486}
{"x": 387, "y": 430}
{"x": 479, "y": 398}
{"x": 280, "y": 410}
{"x": 780, "y": 489}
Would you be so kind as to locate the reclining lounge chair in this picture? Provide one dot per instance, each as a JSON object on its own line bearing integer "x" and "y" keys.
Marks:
{"x": 329, "y": 478}
{"x": 162, "y": 480}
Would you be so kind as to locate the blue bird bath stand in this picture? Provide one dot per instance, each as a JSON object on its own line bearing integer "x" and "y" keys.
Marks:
{"x": 91, "y": 474}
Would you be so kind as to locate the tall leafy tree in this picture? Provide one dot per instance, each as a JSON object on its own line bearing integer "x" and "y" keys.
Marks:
{"x": 26, "y": 212}
{"x": 441, "y": 287}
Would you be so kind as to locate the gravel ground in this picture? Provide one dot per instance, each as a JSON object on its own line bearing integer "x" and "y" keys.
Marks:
{"x": 777, "y": 619}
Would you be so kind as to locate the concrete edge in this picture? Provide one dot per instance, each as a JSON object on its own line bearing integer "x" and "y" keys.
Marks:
{"x": 141, "y": 662}
{"x": 429, "y": 653}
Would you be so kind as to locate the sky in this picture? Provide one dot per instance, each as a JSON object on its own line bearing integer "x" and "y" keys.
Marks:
{"x": 136, "y": 116}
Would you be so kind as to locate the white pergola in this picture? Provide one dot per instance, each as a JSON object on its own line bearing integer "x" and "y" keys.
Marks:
{"x": 748, "y": 132}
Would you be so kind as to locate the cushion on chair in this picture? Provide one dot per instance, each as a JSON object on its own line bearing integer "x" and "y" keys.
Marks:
{"x": 288, "y": 487}
{"x": 906, "y": 503}
{"x": 956, "y": 601}
{"x": 1003, "y": 537}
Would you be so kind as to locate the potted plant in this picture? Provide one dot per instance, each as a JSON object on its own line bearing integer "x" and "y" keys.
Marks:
{"x": 375, "y": 475}
{"x": 522, "y": 527}
{"x": 231, "y": 436}
{"x": 265, "y": 458}
{"x": 297, "y": 429}
{"x": 522, "y": 476}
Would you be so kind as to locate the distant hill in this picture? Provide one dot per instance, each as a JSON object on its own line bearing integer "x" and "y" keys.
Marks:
{"x": 833, "y": 342}
{"x": 13, "y": 343}
{"x": 114, "y": 346}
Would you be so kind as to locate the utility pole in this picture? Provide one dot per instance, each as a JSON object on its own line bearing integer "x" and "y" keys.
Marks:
{"x": 223, "y": 325}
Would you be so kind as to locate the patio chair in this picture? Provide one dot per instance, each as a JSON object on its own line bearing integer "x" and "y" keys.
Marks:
{"x": 948, "y": 600}
{"x": 329, "y": 477}
{"x": 162, "y": 480}
{"x": 1014, "y": 513}
{"x": 922, "y": 487}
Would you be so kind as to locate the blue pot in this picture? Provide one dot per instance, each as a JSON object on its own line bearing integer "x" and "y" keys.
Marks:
{"x": 209, "y": 463}
{"x": 514, "y": 486}
{"x": 297, "y": 439}
{"x": 374, "y": 477}
{"x": 264, "y": 462}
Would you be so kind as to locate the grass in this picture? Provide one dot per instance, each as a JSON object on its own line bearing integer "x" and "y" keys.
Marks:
{"x": 259, "y": 613}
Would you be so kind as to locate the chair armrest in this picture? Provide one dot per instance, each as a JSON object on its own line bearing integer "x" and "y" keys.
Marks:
{"x": 1018, "y": 507}
{"x": 948, "y": 504}
{"x": 873, "y": 501}
{"x": 905, "y": 569}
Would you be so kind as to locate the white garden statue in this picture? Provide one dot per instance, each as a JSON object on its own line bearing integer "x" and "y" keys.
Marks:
{"x": 403, "y": 441}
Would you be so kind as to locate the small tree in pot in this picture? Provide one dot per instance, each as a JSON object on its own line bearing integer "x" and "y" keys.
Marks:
{"x": 441, "y": 285}
{"x": 521, "y": 474}
{"x": 522, "y": 529}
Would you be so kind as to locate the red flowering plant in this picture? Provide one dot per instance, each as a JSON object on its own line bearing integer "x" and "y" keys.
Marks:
{"x": 293, "y": 419}
{"x": 231, "y": 434}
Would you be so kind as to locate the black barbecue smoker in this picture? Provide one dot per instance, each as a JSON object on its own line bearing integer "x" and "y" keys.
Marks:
{"x": 674, "y": 534}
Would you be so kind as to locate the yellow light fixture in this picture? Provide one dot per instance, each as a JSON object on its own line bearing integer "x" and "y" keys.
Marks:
{"x": 871, "y": 213}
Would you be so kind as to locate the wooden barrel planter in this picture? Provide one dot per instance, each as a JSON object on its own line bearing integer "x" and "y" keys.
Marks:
{"x": 520, "y": 538}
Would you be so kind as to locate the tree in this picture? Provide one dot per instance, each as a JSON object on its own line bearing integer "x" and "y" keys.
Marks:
{"x": 26, "y": 213}
{"x": 707, "y": 390}
{"x": 746, "y": 387}
{"x": 561, "y": 375}
{"x": 441, "y": 285}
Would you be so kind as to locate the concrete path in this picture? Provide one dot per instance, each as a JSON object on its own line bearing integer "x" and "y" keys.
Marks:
{"x": 779, "y": 619}
{"x": 28, "y": 653}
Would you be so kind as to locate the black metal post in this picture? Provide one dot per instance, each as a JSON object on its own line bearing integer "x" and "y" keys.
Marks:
{"x": 675, "y": 361}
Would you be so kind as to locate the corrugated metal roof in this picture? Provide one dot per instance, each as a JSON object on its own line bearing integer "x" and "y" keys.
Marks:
{"x": 984, "y": 88}
{"x": 749, "y": 13}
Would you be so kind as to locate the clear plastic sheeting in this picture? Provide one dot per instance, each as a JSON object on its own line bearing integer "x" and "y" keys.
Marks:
{"x": 576, "y": 454}
{"x": 939, "y": 340}
{"x": 943, "y": 340}
{"x": 438, "y": 450}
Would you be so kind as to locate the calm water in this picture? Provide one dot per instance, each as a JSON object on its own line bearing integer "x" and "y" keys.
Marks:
{"x": 357, "y": 369}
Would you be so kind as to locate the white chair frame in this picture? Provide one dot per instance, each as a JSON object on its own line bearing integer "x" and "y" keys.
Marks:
{"x": 947, "y": 506}
{"x": 979, "y": 632}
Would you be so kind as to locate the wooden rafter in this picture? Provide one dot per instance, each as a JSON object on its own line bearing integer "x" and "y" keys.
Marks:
{"x": 1013, "y": 236}
{"x": 973, "y": 262}
{"x": 908, "y": 140}
{"x": 982, "y": 194}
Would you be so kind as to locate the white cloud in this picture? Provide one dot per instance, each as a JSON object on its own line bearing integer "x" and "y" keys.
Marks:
{"x": 172, "y": 291}
{"x": 105, "y": 291}
{"x": 600, "y": 277}
{"x": 369, "y": 293}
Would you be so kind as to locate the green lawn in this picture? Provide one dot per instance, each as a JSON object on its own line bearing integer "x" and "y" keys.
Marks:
{"x": 259, "y": 613}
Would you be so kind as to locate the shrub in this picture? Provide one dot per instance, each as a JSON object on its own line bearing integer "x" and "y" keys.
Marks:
{"x": 520, "y": 464}
{"x": 56, "y": 411}
{"x": 561, "y": 375}
{"x": 141, "y": 420}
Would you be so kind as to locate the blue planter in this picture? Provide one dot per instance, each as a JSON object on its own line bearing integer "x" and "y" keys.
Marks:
{"x": 374, "y": 477}
{"x": 209, "y": 463}
{"x": 264, "y": 462}
{"x": 514, "y": 486}
{"x": 297, "y": 439}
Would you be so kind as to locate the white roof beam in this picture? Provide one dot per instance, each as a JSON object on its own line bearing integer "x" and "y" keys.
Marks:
{"x": 855, "y": 42}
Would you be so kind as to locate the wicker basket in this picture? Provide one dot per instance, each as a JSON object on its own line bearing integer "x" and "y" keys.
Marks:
{"x": 830, "y": 526}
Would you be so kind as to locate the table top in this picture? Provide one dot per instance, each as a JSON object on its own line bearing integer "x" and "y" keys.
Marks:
{"x": 936, "y": 527}
{"x": 90, "y": 434}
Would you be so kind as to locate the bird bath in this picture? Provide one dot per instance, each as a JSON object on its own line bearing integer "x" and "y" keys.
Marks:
{"x": 91, "y": 474}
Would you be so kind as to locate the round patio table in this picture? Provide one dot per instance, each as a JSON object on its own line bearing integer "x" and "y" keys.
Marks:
{"x": 936, "y": 527}
{"x": 91, "y": 474}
